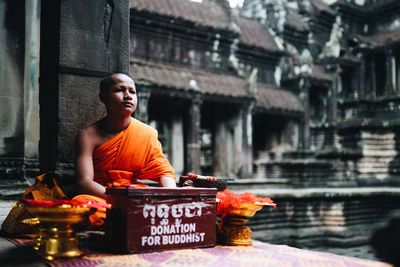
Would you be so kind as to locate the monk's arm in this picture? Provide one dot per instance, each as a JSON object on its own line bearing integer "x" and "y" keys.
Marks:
{"x": 166, "y": 181}
{"x": 84, "y": 167}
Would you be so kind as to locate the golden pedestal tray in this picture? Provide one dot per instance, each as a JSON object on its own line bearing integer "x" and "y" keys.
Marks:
{"x": 56, "y": 235}
{"x": 233, "y": 231}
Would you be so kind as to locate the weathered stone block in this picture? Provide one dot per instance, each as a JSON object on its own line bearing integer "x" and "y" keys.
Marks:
{"x": 79, "y": 105}
{"x": 94, "y": 35}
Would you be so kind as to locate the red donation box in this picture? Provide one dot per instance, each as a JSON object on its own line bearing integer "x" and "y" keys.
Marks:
{"x": 156, "y": 219}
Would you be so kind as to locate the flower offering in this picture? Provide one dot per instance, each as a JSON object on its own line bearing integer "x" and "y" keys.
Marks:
{"x": 228, "y": 201}
{"x": 235, "y": 210}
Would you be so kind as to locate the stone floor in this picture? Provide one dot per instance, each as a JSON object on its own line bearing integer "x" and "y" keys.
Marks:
{"x": 5, "y": 207}
{"x": 364, "y": 252}
{"x": 9, "y": 254}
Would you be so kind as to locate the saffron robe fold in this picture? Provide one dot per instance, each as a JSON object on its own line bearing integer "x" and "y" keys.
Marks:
{"x": 133, "y": 154}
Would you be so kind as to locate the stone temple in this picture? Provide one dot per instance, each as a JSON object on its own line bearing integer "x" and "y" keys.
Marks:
{"x": 296, "y": 99}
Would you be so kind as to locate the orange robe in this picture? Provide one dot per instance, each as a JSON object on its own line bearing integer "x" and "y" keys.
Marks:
{"x": 133, "y": 154}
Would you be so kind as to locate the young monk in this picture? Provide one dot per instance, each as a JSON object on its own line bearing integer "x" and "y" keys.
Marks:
{"x": 118, "y": 149}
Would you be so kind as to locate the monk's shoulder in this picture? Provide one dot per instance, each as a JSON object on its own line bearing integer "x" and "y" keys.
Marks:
{"x": 89, "y": 135}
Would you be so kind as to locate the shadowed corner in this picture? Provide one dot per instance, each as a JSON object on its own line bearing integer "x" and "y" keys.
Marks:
{"x": 386, "y": 241}
{"x": 14, "y": 255}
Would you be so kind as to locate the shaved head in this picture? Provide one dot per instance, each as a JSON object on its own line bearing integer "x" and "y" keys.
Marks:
{"x": 109, "y": 80}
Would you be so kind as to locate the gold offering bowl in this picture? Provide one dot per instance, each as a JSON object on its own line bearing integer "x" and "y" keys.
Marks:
{"x": 233, "y": 231}
{"x": 56, "y": 235}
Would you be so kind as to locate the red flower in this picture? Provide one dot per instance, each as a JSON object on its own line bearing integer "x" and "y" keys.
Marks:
{"x": 227, "y": 200}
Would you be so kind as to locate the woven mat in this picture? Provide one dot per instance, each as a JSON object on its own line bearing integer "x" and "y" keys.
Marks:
{"x": 21, "y": 242}
{"x": 260, "y": 254}
{"x": 18, "y": 253}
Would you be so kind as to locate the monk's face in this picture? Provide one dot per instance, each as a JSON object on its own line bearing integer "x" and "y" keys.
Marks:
{"x": 120, "y": 98}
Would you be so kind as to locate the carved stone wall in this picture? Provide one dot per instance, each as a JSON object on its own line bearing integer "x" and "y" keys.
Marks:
{"x": 80, "y": 42}
{"x": 19, "y": 94}
{"x": 324, "y": 217}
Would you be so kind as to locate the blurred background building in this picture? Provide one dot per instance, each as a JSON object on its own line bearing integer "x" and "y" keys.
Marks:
{"x": 296, "y": 99}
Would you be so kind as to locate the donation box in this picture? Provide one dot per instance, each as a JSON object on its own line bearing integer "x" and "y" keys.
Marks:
{"x": 156, "y": 219}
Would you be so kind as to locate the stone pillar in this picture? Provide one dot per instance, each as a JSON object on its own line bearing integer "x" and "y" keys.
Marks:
{"x": 397, "y": 77}
{"x": 31, "y": 88}
{"x": 372, "y": 86}
{"x": 19, "y": 94}
{"x": 390, "y": 73}
{"x": 305, "y": 124}
{"x": 81, "y": 42}
{"x": 247, "y": 140}
{"x": 331, "y": 142}
{"x": 362, "y": 76}
{"x": 332, "y": 101}
{"x": 12, "y": 58}
{"x": 193, "y": 143}
{"x": 142, "y": 113}
{"x": 177, "y": 158}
